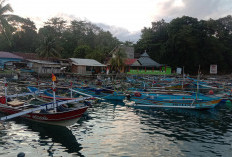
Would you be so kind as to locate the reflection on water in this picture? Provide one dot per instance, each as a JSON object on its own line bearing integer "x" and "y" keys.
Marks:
{"x": 36, "y": 138}
{"x": 56, "y": 134}
{"x": 112, "y": 129}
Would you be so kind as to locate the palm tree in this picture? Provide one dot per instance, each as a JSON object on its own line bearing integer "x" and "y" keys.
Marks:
{"x": 117, "y": 61}
{"x": 48, "y": 48}
{"x": 5, "y": 27}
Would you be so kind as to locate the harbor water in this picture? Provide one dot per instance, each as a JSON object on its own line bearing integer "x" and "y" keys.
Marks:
{"x": 113, "y": 129}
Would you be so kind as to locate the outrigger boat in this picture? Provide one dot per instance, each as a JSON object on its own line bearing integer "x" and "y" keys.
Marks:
{"x": 76, "y": 91}
{"x": 185, "y": 101}
{"x": 99, "y": 93}
{"x": 46, "y": 113}
{"x": 190, "y": 101}
{"x": 175, "y": 103}
{"x": 54, "y": 113}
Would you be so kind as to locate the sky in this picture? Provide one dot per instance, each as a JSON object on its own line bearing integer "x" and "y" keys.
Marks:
{"x": 123, "y": 18}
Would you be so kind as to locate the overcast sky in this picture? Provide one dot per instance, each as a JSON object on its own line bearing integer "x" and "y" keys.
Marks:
{"x": 124, "y": 18}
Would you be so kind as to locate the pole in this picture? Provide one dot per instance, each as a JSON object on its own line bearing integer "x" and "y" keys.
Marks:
{"x": 54, "y": 95}
{"x": 71, "y": 89}
{"x": 5, "y": 89}
{"x": 183, "y": 79}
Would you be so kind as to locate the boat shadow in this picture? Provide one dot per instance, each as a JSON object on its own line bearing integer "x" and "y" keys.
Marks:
{"x": 60, "y": 135}
{"x": 57, "y": 134}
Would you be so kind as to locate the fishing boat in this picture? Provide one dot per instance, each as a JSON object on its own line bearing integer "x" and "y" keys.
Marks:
{"x": 184, "y": 100}
{"x": 57, "y": 112}
{"x": 199, "y": 104}
{"x": 98, "y": 93}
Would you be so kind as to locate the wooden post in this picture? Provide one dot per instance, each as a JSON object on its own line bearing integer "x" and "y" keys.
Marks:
{"x": 5, "y": 89}
{"x": 54, "y": 91}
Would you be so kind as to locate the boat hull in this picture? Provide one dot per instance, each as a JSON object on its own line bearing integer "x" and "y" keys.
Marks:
{"x": 64, "y": 118}
{"x": 186, "y": 104}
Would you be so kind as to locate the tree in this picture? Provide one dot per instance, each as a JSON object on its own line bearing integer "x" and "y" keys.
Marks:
{"x": 6, "y": 20}
{"x": 81, "y": 51}
{"x": 153, "y": 40}
{"x": 117, "y": 61}
{"x": 187, "y": 42}
{"x": 97, "y": 55}
{"x": 26, "y": 40}
{"x": 48, "y": 48}
{"x": 58, "y": 24}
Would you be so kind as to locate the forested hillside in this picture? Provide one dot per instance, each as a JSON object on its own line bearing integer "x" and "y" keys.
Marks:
{"x": 190, "y": 42}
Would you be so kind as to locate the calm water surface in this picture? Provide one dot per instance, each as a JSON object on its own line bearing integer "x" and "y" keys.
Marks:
{"x": 116, "y": 130}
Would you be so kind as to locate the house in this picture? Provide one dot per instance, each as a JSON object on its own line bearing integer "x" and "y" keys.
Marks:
{"x": 146, "y": 65}
{"x": 128, "y": 62}
{"x": 146, "y": 61}
{"x": 45, "y": 67}
{"x": 8, "y": 59}
{"x": 86, "y": 66}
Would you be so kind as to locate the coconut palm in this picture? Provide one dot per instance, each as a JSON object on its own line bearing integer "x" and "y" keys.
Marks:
{"x": 5, "y": 20}
{"x": 117, "y": 61}
{"x": 48, "y": 48}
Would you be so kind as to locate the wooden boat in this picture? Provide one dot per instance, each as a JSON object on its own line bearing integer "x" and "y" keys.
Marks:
{"x": 190, "y": 101}
{"x": 58, "y": 114}
{"x": 99, "y": 94}
{"x": 175, "y": 103}
{"x": 54, "y": 113}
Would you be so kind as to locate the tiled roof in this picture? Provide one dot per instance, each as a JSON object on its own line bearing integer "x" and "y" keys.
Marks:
{"x": 9, "y": 55}
{"x": 129, "y": 61}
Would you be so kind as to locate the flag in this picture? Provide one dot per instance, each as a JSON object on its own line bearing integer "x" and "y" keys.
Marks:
{"x": 53, "y": 78}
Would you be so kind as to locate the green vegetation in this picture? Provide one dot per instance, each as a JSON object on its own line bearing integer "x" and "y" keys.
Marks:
{"x": 188, "y": 42}
{"x": 116, "y": 61}
{"x": 152, "y": 72}
{"x": 57, "y": 38}
{"x": 184, "y": 41}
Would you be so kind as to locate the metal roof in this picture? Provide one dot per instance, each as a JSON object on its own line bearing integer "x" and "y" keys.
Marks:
{"x": 86, "y": 62}
{"x": 145, "y": 54}
{"x": 136, "y": 63}
{"x": 146, "y": 61}
{"x": 43, "y": 62}
{"x": 9, "y": 55}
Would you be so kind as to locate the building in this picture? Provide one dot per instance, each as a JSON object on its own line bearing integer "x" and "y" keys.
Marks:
{"x": 146, "y": 65}
{"x": 8, "y": 59}
{"x": 86, "y": 66}
{"x": 146, "y": 61}
{"x": 44, "y": 67}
